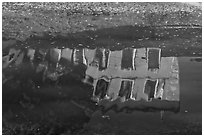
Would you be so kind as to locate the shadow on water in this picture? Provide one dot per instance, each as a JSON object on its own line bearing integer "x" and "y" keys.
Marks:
{"x": 40, "y": 106}
{"x": 173, "y": 41}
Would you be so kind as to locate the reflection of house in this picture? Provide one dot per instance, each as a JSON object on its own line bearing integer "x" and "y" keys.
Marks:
{"x": 135, "y": 74}
{"x": 138, "y": 75}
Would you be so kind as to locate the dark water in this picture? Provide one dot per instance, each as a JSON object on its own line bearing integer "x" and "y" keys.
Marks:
{"x": 175, "y": 41}
{"x": 51, "y": 109}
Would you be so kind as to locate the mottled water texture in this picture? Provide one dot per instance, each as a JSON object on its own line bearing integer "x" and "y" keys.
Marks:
{"x": 60, "y": 102}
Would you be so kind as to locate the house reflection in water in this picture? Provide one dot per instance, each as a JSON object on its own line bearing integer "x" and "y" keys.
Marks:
{"x": 131, "y": 78}
{"x": 137, "y": 78}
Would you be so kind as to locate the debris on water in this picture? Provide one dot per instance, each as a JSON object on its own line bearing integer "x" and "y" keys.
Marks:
{"x": 118, "y": 43}
{"x": 53, "y": 42}
{"x": 80, "y": 45}
{"x": 106, "y": 117}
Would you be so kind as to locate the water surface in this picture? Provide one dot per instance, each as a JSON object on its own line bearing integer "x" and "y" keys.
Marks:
{"x": 50, "y": 104}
